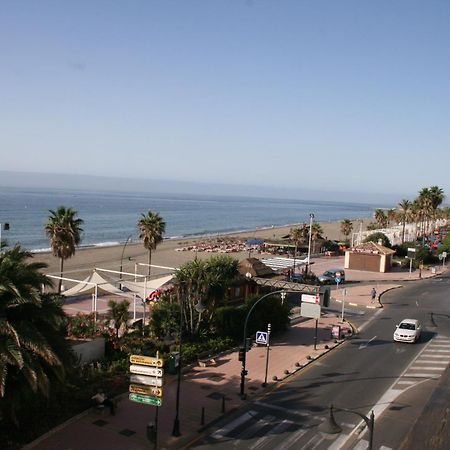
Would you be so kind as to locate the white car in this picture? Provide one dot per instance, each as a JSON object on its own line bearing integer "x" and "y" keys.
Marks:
{"x": 407, "y": 331}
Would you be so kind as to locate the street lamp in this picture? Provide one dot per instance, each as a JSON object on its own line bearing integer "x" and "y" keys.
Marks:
{"x": 329, "y": 425}
{"x": 199, "y": 307}
{"x": 311, "y": 217}
{"x": 123, "y": 251}
{"x": 244, "y": 344}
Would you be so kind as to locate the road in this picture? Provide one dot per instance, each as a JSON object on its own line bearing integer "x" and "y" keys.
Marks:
{"x": 369, "y": 372}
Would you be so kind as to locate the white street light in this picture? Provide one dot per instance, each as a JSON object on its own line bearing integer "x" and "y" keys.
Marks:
{"x": 311, "y": 217}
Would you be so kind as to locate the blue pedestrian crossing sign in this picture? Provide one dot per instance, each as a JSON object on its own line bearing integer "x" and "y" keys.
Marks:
{"x": 261, "y": 337}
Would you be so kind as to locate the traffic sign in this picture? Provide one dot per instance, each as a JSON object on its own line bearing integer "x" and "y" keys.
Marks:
{"x": 338, "y": 280}
{"x": 261, "y": 337}
{"x": 146, "y": 390}
{"x": 444, "y": 254}
{"x": 145, "y": 379}
{"x": 310, "y": 310}
{"x": 146, "y": 360}
{"x": 145, "y": 399}
{"x": 146, "y": 370}
{"x": 308, "y": 298}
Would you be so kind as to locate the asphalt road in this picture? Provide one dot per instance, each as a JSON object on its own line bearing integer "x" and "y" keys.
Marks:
{"x": 369, "y": 372}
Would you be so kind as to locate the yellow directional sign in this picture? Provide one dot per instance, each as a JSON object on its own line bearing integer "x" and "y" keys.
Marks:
{"x": 146, "y": 360}
{"x": 146, "y": 390}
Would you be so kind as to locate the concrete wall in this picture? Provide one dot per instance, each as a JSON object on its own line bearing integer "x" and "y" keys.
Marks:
{"x": 88, "y": 351}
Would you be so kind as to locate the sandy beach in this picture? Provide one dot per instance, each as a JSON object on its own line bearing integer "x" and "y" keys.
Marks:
{"x": 86, "y": 259}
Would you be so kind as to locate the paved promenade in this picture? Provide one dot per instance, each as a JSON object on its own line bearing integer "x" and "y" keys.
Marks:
{"x": 217, "y": 386}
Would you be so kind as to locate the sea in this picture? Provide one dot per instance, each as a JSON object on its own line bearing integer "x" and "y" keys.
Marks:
{"x": 111, "y": 217}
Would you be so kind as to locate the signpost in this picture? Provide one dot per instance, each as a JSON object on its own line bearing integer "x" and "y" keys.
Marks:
{"x": 311, "y": 310}
{"x": 262, "y": 337}
{"x": 308, "y": 298}
{"x": 145, "y": 399}
{"x": 267, "y": 353}
{"x": 344, "y": 293}
{"x": 338, "y": 279}
{"x": 411, "y": 256}
{"x": 146, "y": 377}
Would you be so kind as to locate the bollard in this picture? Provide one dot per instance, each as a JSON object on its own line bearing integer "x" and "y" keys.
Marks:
{"x": 202, "y": 420}
{"x": 223, "y": 403}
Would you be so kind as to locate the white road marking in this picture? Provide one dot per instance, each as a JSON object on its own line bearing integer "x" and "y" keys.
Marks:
{"x": 361, "y": 445}
{"x": 367, "y": 343}
{"x": 339, "y": 442}
{"x": 424, "y": 363}
{"x": 253, "y": 429}
{"x": 297, "y": 412}
{"x": 278, "y": 429}
{"x": 221, "y": 432}
{"x": 291, "y": 440}
{"x": 427, "y": 368}
{"x": 407, "y": 382}
{"x": 422, "y": 375}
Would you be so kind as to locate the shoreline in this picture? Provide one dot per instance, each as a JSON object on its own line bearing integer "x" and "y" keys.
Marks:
{"x": 129, "y": 257}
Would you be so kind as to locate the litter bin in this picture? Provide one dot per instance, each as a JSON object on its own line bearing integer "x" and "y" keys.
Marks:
{"x": 433, "y": 270}
{"x": 173, "y": 362}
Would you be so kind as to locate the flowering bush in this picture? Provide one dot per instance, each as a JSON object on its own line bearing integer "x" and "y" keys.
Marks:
{"x": 82, "y": 326}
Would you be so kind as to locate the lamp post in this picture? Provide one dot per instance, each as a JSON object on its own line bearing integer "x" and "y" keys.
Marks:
{"x": 329, "y": 425}
{"x": 176, "y": 423}
{"x": 311, "y": 217}
{"x": 123, "y": 251}
{"x": 244, "y": 344}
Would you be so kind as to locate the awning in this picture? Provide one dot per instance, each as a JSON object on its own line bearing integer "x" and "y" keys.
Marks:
{"x": 87, "y": 286}
{"x": 142, "y": 289}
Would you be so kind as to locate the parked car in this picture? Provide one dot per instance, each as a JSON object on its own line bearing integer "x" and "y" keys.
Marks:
{"x": 407, "y": 331}
{"x": 329, "y": 276}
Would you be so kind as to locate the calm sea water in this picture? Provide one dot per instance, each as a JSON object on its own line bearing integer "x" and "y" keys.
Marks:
{"x": 110, "y": 217}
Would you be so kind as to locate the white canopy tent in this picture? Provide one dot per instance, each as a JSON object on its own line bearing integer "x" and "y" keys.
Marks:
{"x": 87, "y": 286}
{"x": 143, "y": 288}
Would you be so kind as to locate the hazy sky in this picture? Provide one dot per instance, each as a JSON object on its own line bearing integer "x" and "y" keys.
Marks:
{"x": 337, "y": 95}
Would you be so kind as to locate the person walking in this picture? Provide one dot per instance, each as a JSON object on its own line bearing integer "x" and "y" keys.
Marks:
{"x": 373, "y": 294}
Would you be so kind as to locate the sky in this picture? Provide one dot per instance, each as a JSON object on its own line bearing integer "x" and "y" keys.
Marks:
{"x": 339, "y": 96}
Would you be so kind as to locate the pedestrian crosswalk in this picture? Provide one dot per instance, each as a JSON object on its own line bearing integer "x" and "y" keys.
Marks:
{"x": 429, "y": 364}
{"x": 266, "y": 427}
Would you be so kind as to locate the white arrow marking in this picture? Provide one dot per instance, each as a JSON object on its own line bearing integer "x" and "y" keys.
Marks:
{"x": 367, "y": 343}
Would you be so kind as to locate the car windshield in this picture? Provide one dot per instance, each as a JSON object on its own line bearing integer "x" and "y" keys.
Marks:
{"x": 407, "y": 326}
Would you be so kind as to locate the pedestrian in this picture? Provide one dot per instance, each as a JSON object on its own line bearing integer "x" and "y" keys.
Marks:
{"x": 373, "y": 294}
{"x": 100, "y": 399}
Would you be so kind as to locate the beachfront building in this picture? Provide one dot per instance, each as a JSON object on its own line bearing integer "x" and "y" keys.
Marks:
{"x": 369, "y": 256}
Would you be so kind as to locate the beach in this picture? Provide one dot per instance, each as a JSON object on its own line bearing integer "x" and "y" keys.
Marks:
{"x": 88, "y": 258}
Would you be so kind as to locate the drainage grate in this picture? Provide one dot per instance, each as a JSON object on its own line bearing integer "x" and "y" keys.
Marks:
{"x": 126, "y": 432}
{"x": 100, "y": 423}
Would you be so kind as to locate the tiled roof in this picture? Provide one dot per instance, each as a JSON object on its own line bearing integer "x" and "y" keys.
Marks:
{"x": 372, "y": 247}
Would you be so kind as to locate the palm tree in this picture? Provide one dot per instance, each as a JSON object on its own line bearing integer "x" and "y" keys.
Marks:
{"x": 380, "y": 218}
{"x": 404, "y": 215}
{"x": 64, "y": 230}
{"x": 298, "y": 235}
{"x": 346, "y": 227}
{"x": 151, "y": 229}
{"x": 201, "y": 285}
{"x": 33, "y": 349}
{"x": 118, "y": 313}
{"x": 316, "y": 233}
